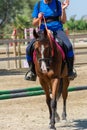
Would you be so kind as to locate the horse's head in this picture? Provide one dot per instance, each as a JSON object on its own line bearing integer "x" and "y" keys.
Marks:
{"x": 43, "y": 49}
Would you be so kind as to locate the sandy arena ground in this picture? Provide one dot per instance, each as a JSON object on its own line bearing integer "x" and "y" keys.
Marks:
{"x": 31, "y": 113}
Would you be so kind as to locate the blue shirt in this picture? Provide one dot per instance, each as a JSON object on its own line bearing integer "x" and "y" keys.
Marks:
{"x": 49, "y": 10}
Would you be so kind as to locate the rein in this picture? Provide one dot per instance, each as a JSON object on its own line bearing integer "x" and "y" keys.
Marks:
{"x": 48, "y": 34}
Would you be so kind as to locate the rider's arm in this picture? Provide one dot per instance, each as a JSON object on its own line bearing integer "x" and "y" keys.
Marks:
{"x": 40, "y": 15}
{"x": 63, "y": 17}
{"x": 65, "y": 4}
{"x": 35, "y": 21}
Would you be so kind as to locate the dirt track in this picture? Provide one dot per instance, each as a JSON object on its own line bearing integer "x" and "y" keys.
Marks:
{"x": 31, "y": 113}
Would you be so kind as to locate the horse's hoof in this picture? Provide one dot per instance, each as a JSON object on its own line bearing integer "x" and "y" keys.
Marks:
{"x": 52, "y": 127}
{"x": 64, "y": 116}
{"x": 64, "y": 119}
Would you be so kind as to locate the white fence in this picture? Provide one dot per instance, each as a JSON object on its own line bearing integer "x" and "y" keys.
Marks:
{"x": 14, "y": 56}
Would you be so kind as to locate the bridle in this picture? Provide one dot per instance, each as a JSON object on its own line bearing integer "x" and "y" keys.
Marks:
{"x": 44, "y": 57}
{"x": 46, "y": 61}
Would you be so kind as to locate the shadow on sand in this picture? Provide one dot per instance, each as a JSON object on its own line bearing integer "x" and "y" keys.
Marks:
{"x": 74, "y": 125}
{"x": 4, "y": 72}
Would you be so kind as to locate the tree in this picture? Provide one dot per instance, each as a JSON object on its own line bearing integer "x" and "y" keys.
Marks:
{"x": 15, "y": 13}
{"x": 76, "y": 25}
{"x": 4, "y": 10}
{"x": 9, "y": 9}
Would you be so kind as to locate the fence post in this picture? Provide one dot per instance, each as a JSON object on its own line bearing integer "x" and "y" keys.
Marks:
{"x": 14, "y": 36}
{"x": 19, "y": 54}
{"x": 7, "y": 53}
{"x": 25, "y": 35}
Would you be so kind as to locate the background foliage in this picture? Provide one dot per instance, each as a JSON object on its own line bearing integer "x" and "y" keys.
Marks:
{"x": 17, "y": 13}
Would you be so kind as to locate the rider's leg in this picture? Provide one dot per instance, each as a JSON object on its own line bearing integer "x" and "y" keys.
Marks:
{"x": 69, "y": 54}
{"x": 31, "y": 74}
{"x": 70, "y": 63}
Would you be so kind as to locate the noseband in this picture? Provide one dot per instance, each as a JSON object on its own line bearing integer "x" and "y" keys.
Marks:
{"x": 45, "y": 59}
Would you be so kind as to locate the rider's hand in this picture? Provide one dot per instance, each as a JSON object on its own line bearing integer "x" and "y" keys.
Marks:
{"x": 40, "y": 15}
{"x": 65, "y": 4}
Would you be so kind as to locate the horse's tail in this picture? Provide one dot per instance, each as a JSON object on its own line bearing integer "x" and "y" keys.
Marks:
{"x": 60, "y": 89}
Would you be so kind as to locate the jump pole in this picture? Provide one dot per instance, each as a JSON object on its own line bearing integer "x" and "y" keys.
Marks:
{"x": 34, "y": 93}
{"x": 20, "y": 90}
{"x": 23, "y": 94}
{"x": 70, "y": 89}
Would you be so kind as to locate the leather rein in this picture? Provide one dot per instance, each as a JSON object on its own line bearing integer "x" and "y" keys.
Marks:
{"x": 48, "y": 34}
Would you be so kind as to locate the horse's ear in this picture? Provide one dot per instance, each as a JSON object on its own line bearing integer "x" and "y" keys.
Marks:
{"x": 35, "y": 34}
{"x": 45, "y": 32}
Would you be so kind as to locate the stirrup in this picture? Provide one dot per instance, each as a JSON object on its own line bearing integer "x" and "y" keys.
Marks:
{"x": 73, "y": 75}
{"x": 30, "y": 76}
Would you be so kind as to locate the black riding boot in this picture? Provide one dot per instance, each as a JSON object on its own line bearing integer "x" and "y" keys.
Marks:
{"x": 31, "y": 74}
{"x": 71, "y": 72}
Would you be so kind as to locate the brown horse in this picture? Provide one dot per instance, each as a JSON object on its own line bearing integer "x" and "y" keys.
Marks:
{"x": 52, "y": 73}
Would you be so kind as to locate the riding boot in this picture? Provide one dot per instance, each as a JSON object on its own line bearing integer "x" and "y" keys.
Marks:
{"x": 71, "y": 72}
{"x": 31, "y": 74}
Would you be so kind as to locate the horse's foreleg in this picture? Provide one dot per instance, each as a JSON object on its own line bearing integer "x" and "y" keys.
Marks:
{"x": 64, "y": 110}
{"x": 48, "y": 101}
{"x": 64, "y": 95}
{"x": 54, "y": 102}
{"x": 47, "y": 93}
{"x": 53, "y": 108}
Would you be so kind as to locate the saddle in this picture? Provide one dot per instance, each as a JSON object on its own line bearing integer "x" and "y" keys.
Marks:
{"x": 63, "y": 49}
